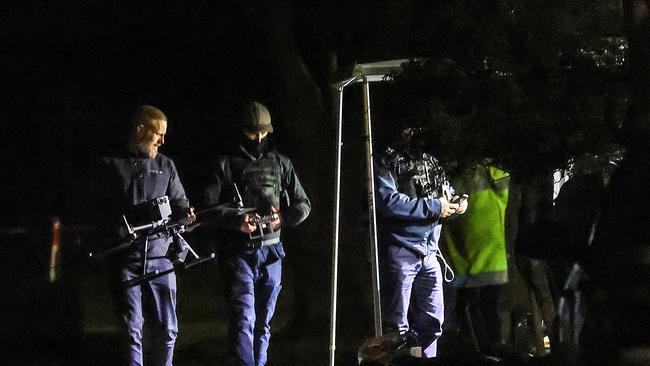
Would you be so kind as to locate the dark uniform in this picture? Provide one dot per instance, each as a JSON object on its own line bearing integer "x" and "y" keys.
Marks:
{"x": 252, "y": 268}
{"x": 126, "y": 181}
{"x": 407, "y": 188}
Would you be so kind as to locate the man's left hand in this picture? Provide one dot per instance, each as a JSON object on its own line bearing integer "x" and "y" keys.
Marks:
{"x": 462, "y": 207}
{"x": 277, "y": 221}
{"x": 190, "y": 216}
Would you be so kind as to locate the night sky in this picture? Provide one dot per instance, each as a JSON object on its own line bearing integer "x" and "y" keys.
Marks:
{"x": 73, "y": 73}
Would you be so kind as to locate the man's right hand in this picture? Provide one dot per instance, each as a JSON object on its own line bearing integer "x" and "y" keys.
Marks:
{"x": 247, "y": 226}
{"x": 447, "y": 208}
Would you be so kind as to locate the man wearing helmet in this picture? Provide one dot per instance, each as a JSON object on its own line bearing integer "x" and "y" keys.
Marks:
{"x": 270, "y": 196}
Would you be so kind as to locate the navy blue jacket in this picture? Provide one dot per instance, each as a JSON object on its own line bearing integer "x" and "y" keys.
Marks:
{"x": 404, "y": 220}
{"x": 127, "y": 180}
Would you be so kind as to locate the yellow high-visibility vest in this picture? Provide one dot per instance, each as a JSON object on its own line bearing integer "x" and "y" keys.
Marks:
{"x": 475, "y": 243}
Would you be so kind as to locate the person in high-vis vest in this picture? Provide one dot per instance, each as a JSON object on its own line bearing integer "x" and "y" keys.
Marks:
{"x": 475, "y": 245}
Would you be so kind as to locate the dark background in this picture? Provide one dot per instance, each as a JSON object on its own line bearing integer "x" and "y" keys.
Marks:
{"x": 71, "y": 71}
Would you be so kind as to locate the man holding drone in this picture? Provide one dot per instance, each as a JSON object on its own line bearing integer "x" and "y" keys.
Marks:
{"x": 143, "y": 185}
{"x": 269, "y": 195}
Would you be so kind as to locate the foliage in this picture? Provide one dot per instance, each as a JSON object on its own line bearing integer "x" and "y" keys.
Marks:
{"x": 527, "y": 85}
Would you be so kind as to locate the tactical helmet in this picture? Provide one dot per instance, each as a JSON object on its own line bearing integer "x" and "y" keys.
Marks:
{"x": 255, "y": 117}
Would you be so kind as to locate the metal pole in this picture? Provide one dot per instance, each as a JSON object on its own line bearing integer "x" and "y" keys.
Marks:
{"x": 335, "y": 246}
{"x": 372, "y": 214}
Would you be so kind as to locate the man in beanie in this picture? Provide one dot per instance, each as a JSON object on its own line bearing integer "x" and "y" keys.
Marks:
{"x": 269, "y": 196}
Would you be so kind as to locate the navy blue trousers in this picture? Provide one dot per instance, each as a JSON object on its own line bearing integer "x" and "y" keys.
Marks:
{"x": 253, "y": 283}
{"x": 411, "y": 293}
{"x": 153, "y": 303}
